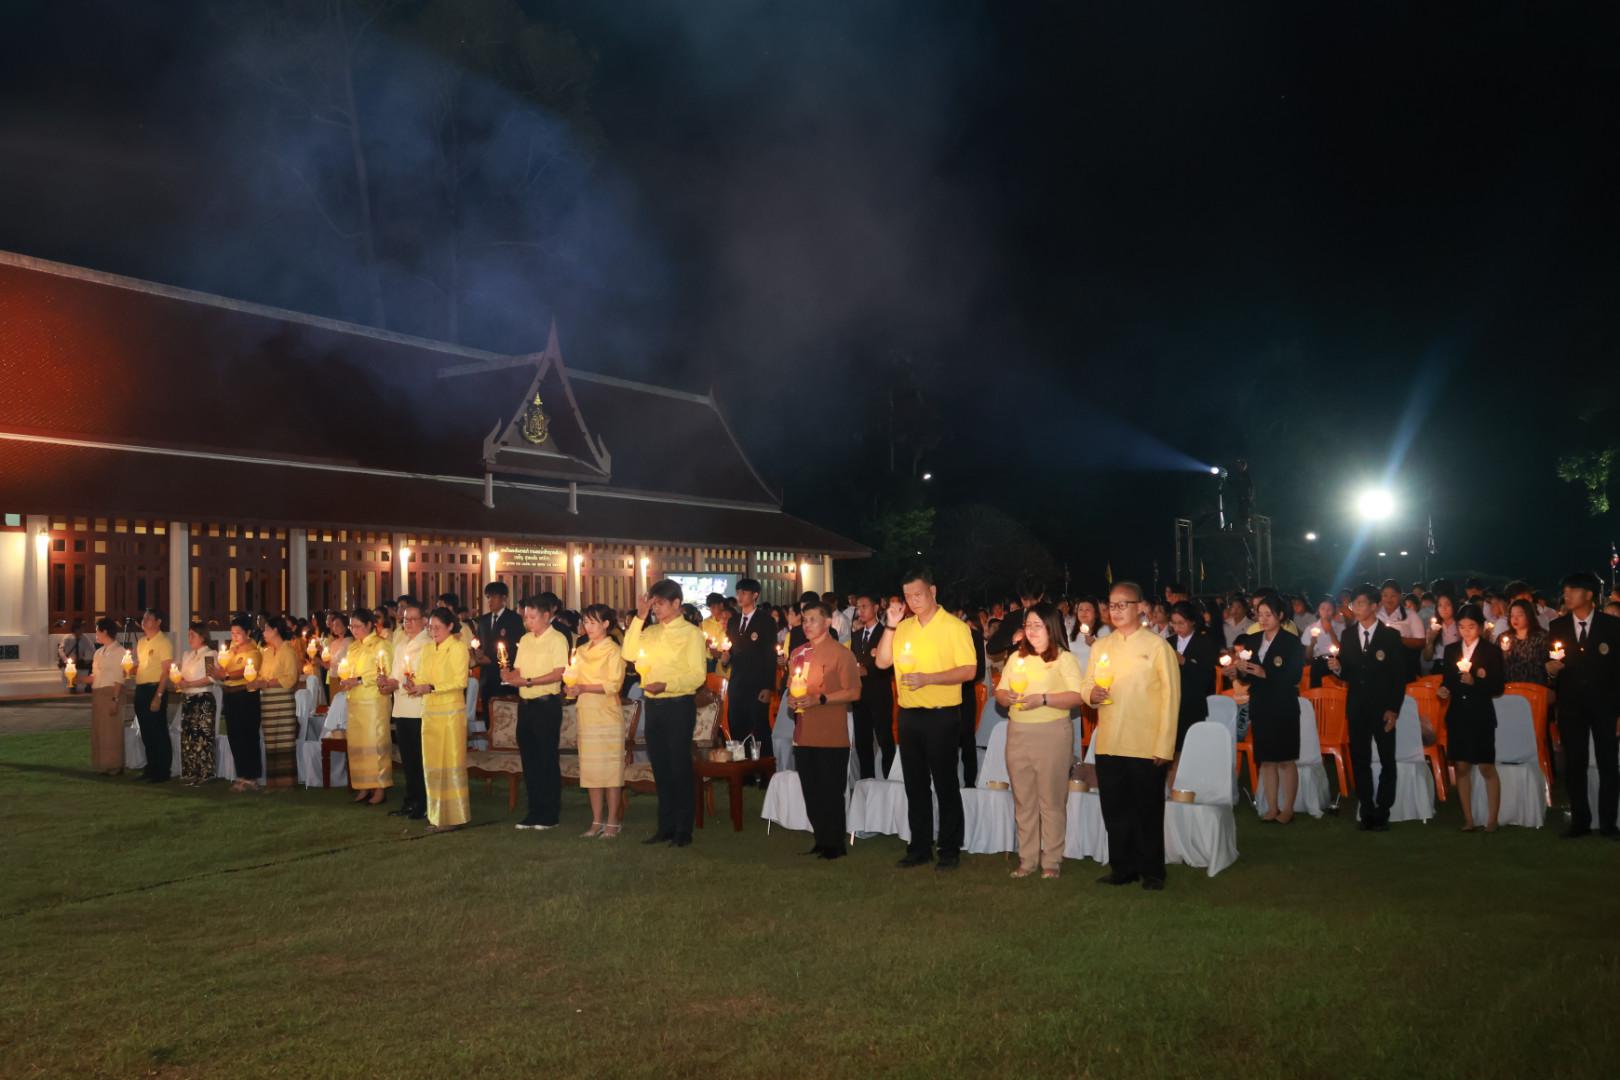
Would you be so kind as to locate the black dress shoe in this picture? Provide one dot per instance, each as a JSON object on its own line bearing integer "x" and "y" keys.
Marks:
{"x": 914, "y": 859}
{"x": 681, "y": 840}
{"x": 1117, "y": 879}
{"x": 1574, "y": 832}
{"x": 659, "y": 838}
{"x": 403, "y": 811}
{"x": 833, "y": 853}
{"x": 416, "y": 815}
{"x": 817, "y": 850}
{"x": 1364, "y": 825}
{"x": 948, "y": 862}
{"x": 1153, "y": 884}
{"x": 1380, "y": 826}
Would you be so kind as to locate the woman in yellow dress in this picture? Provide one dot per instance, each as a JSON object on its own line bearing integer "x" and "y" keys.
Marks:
{"x": 597, "y": 673}
{"x": 241, "y": 703}
{"x": 371, "y": 749}
{"x": 278, "y": 712}
{"x": 443, "y": 680}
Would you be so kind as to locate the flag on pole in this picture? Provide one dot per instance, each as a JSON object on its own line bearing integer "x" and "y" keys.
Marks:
{"x": 1431, "y": 534}
{"x": 1110, "y": 573}
{"x": 1200, "y": 571}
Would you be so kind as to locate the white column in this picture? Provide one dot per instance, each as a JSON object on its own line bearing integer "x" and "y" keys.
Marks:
{"x": 643, "y": 565}
{"x": 401, "y": 563}
{"x": 36, "y": 597}
{"x": 753, "y": 564}
{"x": 298, "y": 572}
{"x": 490, "y": 572}
{"x": 179, "y": 585}
{"x": 826, "y": 573}
{"x": 575, "y": 558}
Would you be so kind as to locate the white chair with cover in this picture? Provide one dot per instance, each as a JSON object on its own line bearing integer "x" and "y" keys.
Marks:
{"x": 782, "y": 738}
{"x": 1223, "y": 710}
{"x": 1414, "y": 783}
{"x": 1312, "y": 796}
{"x": 135, "y": 750}
{"x": 784, "y": 795}
{"x": 989, "y": 827}
{"x": 309, "y": 750}
{"x": 1203, "y": 832}
{"x": 477, "y": 730}
{"x": 1524, "y": 788}
{"x": 878, "y": 807}
{"x": 1085, "y": 836}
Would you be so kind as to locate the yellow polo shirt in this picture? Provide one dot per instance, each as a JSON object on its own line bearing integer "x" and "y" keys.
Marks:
{"x": 537, "y": 655}
{"x": 151, "y": 653}
{"x": 674, "y": 654}
{"x": 1145, "y": 695}
{"x": 1062, "y": 675}
{"x": 945, "y": 643}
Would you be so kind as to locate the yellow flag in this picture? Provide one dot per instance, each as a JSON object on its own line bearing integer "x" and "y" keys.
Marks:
{"x": 1110, "y": 572}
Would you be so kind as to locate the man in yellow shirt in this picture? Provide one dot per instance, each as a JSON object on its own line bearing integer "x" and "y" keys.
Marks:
{"x": 1134, "y": 679}
{"x": 933, "y": 653}
{"x": 670, "y": 657}
{"x": 537, "y": 673}
{"x": 154, "y": 655}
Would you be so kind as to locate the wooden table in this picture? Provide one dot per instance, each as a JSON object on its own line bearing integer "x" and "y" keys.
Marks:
{"x": 331, "y": 744}
{"x": 733, "y": 773}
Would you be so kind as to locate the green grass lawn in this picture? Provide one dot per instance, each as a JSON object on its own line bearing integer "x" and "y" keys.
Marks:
{"x": 178, "y": 932}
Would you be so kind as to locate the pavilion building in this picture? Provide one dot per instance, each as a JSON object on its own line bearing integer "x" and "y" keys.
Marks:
{"x": 167, "y": 448}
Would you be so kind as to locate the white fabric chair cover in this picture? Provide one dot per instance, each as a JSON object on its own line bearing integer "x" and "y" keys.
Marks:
{"x": 1203, "y": 833}
{"x": 879, "y": 806}
{"x": 1312, "y": 796}
{"x": 782, "y": 739}
{"x": 309, "y": 766}
{"x": 1524, "y": 788}
{"x": 135, "y": 750}
{"x": 225, "y": 761}
{"x": 304, "y": 707}
{"x": 337, "y": 715}
{"x": 1592, "y": 780}
{"x": 1414, "y": 783}
{"x": 1085, "y": 836}
{"x": 784, "y": 802}
{"x": 1223, "y": 710}
{"x": 989, "y": 826}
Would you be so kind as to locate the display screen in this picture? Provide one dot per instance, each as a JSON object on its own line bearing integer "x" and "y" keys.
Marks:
{"x": 695, "y": 587}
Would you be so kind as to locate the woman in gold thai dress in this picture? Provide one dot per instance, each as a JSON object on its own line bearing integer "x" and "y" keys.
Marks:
{"x": 442, "y": 679}
{"x": 278, "y": 712}
{"x": 371, "y": 748}
{"x": 597, "y": 672}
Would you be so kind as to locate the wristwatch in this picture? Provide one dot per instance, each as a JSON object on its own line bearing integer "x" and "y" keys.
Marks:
{"x": 823, "y": 699}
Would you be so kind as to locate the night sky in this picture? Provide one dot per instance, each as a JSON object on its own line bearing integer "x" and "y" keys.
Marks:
{"x": 1116, "y": 242}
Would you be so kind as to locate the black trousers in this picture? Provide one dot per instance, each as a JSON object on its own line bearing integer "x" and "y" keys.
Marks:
{"x": 874, "y": 718}
{"x": 823, "y": 775}
{"x": 929, "y": 741}
{"x": 747, "y": 715}
{"x": 154, "y": 725}
{"x": 242, "y": 731}
{"x": 1366, "y": 730}
{"x": 968, "y": 737}
{"x": 408, "y": 737}
{"x": 1132, "y": 794}
{"x": 1576, "y": 722}
{"x": 1319, "y": 670}
{"x": 539, "y": 727}
{"x": 670, "y": 722}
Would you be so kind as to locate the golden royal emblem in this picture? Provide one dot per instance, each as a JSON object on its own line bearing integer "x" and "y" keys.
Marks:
{"x": 536, "y": 424}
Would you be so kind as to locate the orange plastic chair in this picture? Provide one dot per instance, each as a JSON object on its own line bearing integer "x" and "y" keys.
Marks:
{"x": 1539, "y": 697}
{"x": 1088, "y": 725}
{"x": 981, "y": 694}
{"x": 1222, "y": 683}
{"x": 1432, "y": 710}
{"x": 1333, "y": 682}
{"x": 717, "y": 686}
{"x": 1245, "y": 749}
{"x": 1431, "y": 681}
{"x": 1333, "y": 729}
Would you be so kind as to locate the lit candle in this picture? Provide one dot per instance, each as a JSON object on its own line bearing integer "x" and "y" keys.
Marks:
{"x": 175, "y": 676}
{"x": 1018, "y": 680}
{"x": 1316, "y": 631}
{"x": 1557, "y": 650}
{"x": 1245, "y": 655}
{"x": 71, "y": 670}
{"x": 725, "y": 644}
{"x": 1226, "y": 661}
{"x": 1085, "y": 629}
{"x": 571, "y": 673}
{"x": 798, "y": 685}
{"x": 382, "y": 664}
{"x": 1333, "y": 650}
{"x": 500, "y": 653}
{"x": 128, "y": 664}
{"x": 1105, "y": 676}
{"x": 326, "y": 654}
{"x": 249, "y": 672}
{"x": 905, "y": 662}
{"x": 1463, "y": 664}
{"x": 475, "y": 644}
{"x": 1435, "y": 622}
{"x": 309, "y": 650}
{"x": 343, "y": 667}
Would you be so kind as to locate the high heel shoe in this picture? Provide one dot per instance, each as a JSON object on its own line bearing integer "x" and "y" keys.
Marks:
{"x": 594, "y": 830}
{"x": 609, "y": 832}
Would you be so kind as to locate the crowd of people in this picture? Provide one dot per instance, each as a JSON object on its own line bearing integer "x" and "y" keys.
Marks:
{"x": 1141, "y": 668}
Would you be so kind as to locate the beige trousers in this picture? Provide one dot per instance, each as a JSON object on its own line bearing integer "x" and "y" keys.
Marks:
{"x": 106, "y": 730}
{"x": 1038, "y": 760}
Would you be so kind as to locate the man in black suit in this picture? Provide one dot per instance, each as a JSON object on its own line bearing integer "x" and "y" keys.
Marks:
{"x": 1588, "y": 684}
{"x": 874, "y": 709}
{"x": 752, "y": 634}
{"x": 498, "y": 623}
{"x": 1372, "y": 663}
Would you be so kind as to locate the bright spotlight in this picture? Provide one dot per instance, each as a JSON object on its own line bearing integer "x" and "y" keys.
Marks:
{"x": 1310, "y": 537}
{"x": 1403, "y": 554}
{"x": 1214, "y": 470}
{"x": 927, "y": 476}
{"x": 1381, "y": 555}
{"x": 1375, "y": 504}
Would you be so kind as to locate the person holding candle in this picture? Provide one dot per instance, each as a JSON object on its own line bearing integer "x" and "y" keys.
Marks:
{"x": 670, "y": 656}
{"x": 409, "y": 642}
{"x": 826, "y": 682}
{"x": 934, "y": 655}
{"x": 153, "y": 658}
{"x": 1393, "y": 612}
{"x": 199, "y": 738}
{"x": 1585, "y": 669}
{"x": 1372, "y": 663}
{"x": 1133, "y": 680}
{"x": 1441, "y": 633}
{"x": 751, "y": 636}
{"x": 1323, "y": 638}
{"x": 1472, "y": 679}
{"x": 874, "y": 709}
{"x": 278, "y": 712}
{"x": 107, "y": 700}
{"x": 333, "y": 650}
{"x": 441, "y": 682}
{"x": 1524, "y": 646}
{"x": 371, "y": 752}
{"x": 498, "y": 626}
{"x": 593, "y": 678}
{"x": 1039, "y": 686}
{"x": 536, "y": 672}
{"x": 241, "y": 702}
{"x": 1272, "y": 674}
